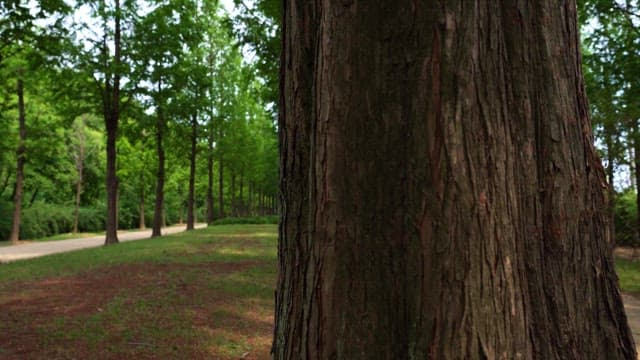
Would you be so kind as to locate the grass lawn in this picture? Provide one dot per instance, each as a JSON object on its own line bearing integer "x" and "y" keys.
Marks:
{"x": 629, "y": 275}
{"x": 206, "y": 294}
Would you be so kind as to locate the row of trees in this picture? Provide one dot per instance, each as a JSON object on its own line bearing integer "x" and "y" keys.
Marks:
{"x": 153, "y": 98}
{"x": 611, "y": 61}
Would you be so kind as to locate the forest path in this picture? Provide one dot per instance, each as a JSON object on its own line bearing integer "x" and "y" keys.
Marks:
{"x": 36, "y": 249}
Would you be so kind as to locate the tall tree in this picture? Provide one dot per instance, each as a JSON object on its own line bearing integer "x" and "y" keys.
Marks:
{"x": 441, "y": 195}
{"x": 611, "y": 31}
{"x": 20, "y": 156}
{"x": 168, "y": 26}
{"x": 25, "y": 46}
{"x": 105, "y": 57}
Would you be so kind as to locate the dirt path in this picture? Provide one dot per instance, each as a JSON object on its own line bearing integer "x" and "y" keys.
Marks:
{"x": 37, "y": 249}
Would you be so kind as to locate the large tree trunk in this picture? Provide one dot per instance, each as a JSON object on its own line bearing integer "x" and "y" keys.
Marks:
{"x": 441, "y": 198}
{"x": 159, "y": 203}
{"x": 210, "y": 213}
{"x": 111, "y": 102}
{"x": 18, "y": 191}
{"x": 192, "y": 173}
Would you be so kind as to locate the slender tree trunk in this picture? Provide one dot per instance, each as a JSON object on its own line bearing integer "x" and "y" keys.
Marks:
{"x": 192, "y": 173}
{"x": 34, "y": 196}
{"x": 5, "y": 182}
{"x": 610, "y": 171}
{"x": 159, "y": 203}
{"x": 234, "y": 204}
{"x": 450, "y": 205}
{"x": 221, "y": 188}
{"x": 241, "y": 203}
{"x": 76, "y": 211}
{"x": 80, "y": 169}
{"x": 142, "y": 221}
{"x": 210, "y": 201}
{"x": 250, "y": 199}
{"x": 111, "y": 102}
{"x": 20, "y": 159}
{"x": 636, "y": 171}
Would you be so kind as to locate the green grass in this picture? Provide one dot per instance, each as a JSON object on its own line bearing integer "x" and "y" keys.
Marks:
{"x": 201, "y": 294}
{"x": 629, "y": 275}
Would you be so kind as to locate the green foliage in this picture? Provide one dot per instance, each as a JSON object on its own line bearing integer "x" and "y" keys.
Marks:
{"x": 42, "y": 220}
{"x": 247, "y": 220}
{"x": 91, "y": 219}
{"x": 177, "y": 56}
{"x": 6, "y": 214}
{"x": 626, "y": 218}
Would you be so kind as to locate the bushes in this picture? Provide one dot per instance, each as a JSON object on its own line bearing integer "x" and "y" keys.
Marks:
{"x": 625, "y": 218}
{"x": 247, "y": 220}
{"x": 6, "y": 216}
{"x": 42, "y": 220}
{"x": 92, "y": 219}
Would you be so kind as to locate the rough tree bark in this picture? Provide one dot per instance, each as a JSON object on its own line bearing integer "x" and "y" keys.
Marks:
{"x": 192, "y": 173}
{"x": 441, "y": 197}
{"x": 18, "y": 191}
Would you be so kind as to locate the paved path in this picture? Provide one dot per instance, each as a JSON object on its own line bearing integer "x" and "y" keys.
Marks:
{"x": 632, "y": 308}
{"x": 42, "y": 248}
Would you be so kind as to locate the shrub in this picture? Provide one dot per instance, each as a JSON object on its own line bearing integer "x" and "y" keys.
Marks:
{"x": 6, "y": 219}
{"x": 42, "y": 220}
{"x": 625, "y": 218}
{"x": 92, "y": 219}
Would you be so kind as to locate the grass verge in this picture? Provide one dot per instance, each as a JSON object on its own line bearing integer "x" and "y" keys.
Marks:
{"x": 201, "y": 294}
